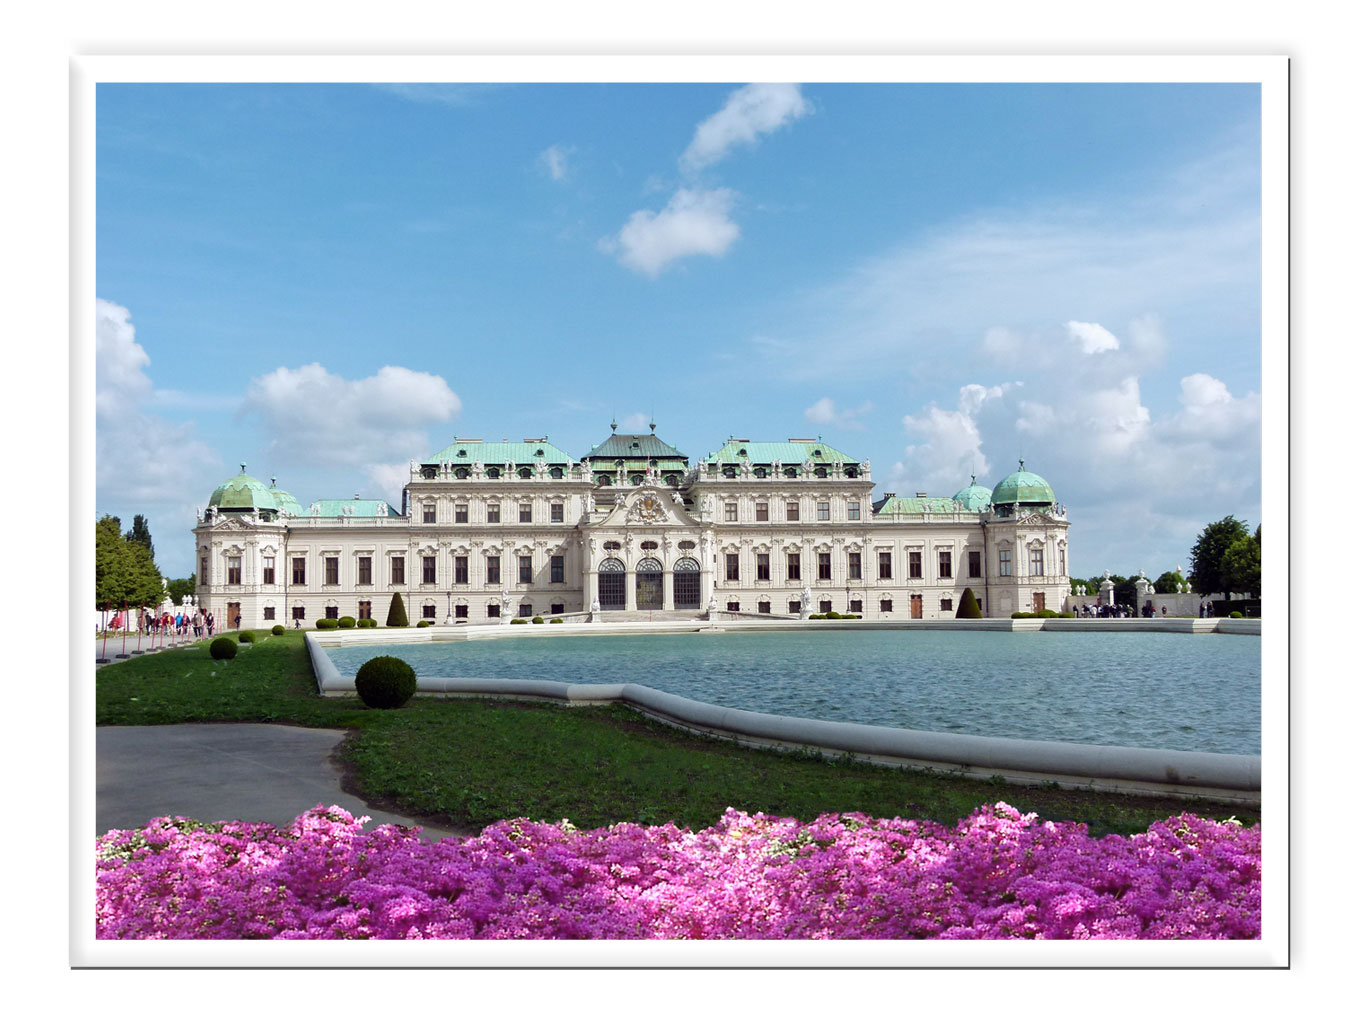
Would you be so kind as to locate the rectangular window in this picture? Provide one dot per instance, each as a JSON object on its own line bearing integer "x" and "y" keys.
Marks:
{"x": 765, "y": 606}
{"x": 826, "y": 606}
{"x": 398, "y": 570}
{"x": 1006, "y": 563}
{"x": 202, "y": 570}
{"x": 855, "y": 566}
{"x": 365, "y": 609}
{"x": 855, "y": 606}
{"x": 973, "y": 563}
{"x": 886, "y": 605}
{"x": 428, "y": 611}
{"x": 332, "y": 613}
{"x": 853, "y": 510}
{"x": 794, "y": 606}
{"x": 1035, "y": 563}
{"x": 761, "y": 512}
{"x": 1062, "y": 555}
{"x": 365, "y": 570}
{"x": 459, "y": 570}
{"x": 558, "y": 607}
{"x": 916, "y": 564}
{"x": 525, "y": 609}
{"x": 430, "y": 575}
{"x": 332, "y": 570}
{"x": 733, "y": 607}
{"x": 558, "y": 572}
{"x": 268, "y": 571}
{"x": 460, "y": 514}
{"x": 823, "y": 566}
{"x": 525, "y": 570}
{"x": 233, "y": 570}
{"x": 794, "y": 511}
{"x": 794, "y": 567}
{"x": 299, "y": 613}
{"x": 460, "y": 612}
{"x": 944, "y": 564}
{"x": 268, "y": 613}
{"x": 823, "y": 510}
{"x": 492, "y": 571}
{"x": 428, "y": 513}
{"x": 558, "y": 513}
{"x": 493, "y": 610}
{"x": 884, "y": 564}
{"x": 731, "y": 512}
{"x": 493, "y": 513}
{"x": 525, "y": 513}
{"x": 761, "y": 566}
{"x": 299, "y": 570}
{"x": 733, "y": 567}
{"x": 945, "y": 603}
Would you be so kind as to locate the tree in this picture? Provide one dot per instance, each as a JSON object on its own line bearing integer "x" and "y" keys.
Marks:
{"x": 141, "y": 532}
{"x": 124, "y": 573}
{"x": 968, "y": 608}
{"x": 396, "y": 616}
{"x": 178, "y": 588}
{"x": 1213, "y": 542}
{"x": 1166, "y": 582}
{"x": 1240, "y": 566}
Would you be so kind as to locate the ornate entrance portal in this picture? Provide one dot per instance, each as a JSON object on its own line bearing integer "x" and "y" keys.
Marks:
{"x": 612, "y": 585}
{"x": 687, "y": 584}
{"x": 650, "y": 585}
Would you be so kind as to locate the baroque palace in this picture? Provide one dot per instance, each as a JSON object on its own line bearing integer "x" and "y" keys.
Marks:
{"x": 489, "y": 531}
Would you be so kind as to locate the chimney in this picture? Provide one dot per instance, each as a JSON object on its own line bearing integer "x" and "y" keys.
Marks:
{"x": 921, "y": 495}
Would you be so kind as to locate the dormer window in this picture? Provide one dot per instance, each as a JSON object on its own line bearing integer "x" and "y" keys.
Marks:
{"x": 525, "y": 473}
{"x": 461, "y": 473}
{"x": 462, "y": 452}
{"x": 556, "y": 473}
{"x": 492, "y": 472}
{"x": 538, "y": 452}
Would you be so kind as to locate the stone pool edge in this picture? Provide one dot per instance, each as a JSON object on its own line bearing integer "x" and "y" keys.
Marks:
{"x": 1106, "y": 768}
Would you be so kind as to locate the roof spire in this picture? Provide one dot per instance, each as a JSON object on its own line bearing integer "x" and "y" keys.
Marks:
{"x": 614, "y": 424}
{"x": 242, "y": 467}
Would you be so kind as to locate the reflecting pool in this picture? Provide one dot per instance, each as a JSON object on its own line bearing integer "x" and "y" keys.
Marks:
{"x": 1150, "y": 690}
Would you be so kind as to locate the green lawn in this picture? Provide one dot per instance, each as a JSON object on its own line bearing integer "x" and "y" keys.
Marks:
{"x": 469, "y": 762}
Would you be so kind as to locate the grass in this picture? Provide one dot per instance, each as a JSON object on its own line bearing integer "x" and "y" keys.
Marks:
{"x": 468, "y": 762}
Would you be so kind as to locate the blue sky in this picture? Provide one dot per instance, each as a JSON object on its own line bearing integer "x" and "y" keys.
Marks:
{"x": 327, "y": 281}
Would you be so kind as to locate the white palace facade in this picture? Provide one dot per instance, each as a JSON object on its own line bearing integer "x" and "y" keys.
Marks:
{"x": 489, "y": 531}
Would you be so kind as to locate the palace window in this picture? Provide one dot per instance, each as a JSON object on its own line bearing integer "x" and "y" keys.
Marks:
{"x": 884, "y": 564}
{"x": 916, "y": 564}
{"x": 826, "y": 606}
{"x": 525, "y": 473}
{"x": 731, "y": 512}
{"x": 794, "y": 510}
{"x": 556, "y": 473}
{"x": 365, "y": 570}
{"x": 823, "y": 566}
{"x": 299, "y": 613}
{"x": 268, "y": 570}
{"x": 365, "y": 609}
{"x": 761, "y": 512}
{"x": 493, "y": 472}
{"x": 459, "y": 570}
{"x": 525, "y": 609}
{"x": 460, "y": 611}
{"x": 886, "y": 605}
{"x": 398, "y": 570}
{"x": 1006, "y": 563}
{"x": 430, "y": 575}
{"x": 944, "y": 564}
{"x": 853, "y": 510}
{"x": 973, "y": 563}
{"x": 202, "y": 570}
{"x": 765, "y": 606}
{"x": 558, "y": 607}
{"x": 525, "y": 513}
{"x": 855, "y": 606}
{"x": 332, "y": 613}
{"x": 558, "y": 572}
{"x": 1062, "y": 554}
{"x": 794, "y": 567}
{"x": 493, "y": 513}
{"x": 733, "y": 567}
{"x": 525, "y": 570}
{"x": 1035, "y": 563}
{"x": 733, "y": 606}
{"x": 493, "y": 610}
{"x": 794, "y": 606}
{"x": 332, "y": 570}
{"x": 492, "y": 570}
{"x": 761, "y": 566}
{"x": 558, "y": 513}
{"x": 945, "y": 603}
{"x": 823, "y": 510}
{"x": 428, "y": 610}
{"x": 428, "y": 513}
{"x": 268, "y": 613}
{"x": 299, "y": 570}
{"x": 855, "y": 566}
{"x": 233, "y": 570}
{"x": 460, "y": 514}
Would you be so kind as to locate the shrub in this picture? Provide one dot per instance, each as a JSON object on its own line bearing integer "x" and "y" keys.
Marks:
{"x": 1046, "y": 614}
{"x": 1065, "y": 615}
{"x": 385, "y": 682}
{"x": 245, "y": 637}
{"x": 327, "y": 624}
{"x": 367, "y": 622}
{"x": 538, "y": 620}
{"x": 346, "y": 622}
{"x": 278, "y": 629}
{"x": 518, "y": 620}
{"x": 968, "y": 608}
{"x": 222, "y": 648}
{"x": 556, "y": 620}
{"x": 1019, "y": 615}
{"x": 424, "y": 623}
{"x": 1237, "y": 615}
{"x": 396, "y": 616}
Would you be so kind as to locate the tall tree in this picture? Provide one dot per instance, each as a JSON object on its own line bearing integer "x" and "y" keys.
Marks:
{"x": 141, "y": 532}
{"x": 1240, "y": 566}
{"x": 178, "y": 588}
{"x": 124, "y": 573}
{"x": 1212, "y": 544}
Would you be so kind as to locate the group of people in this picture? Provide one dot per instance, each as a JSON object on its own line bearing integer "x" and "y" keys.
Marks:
{"x": 202, "y": 624}
{"x": 1107, "y": 610}
{"x": 1205, "y": 609}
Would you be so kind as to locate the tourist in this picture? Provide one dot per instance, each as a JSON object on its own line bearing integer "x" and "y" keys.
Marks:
{"x": 1148, "y": 610}
{"x": 1164, "y": 611}
{"x": 211, "y": 624}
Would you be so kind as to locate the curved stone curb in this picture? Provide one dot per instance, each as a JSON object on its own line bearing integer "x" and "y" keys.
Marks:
{"x": 1100, "y": 767}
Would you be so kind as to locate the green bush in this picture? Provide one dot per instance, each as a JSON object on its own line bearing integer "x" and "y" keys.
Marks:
{"x": 518, "y": 620}
{"x": 1237, "y": 615}
{"x": 425, "y": 623}
{"x": 385, "y": 682}
{"x": 1046, "y": 614}
{"x": 1020, "y": 615}
{"x": 346, "y": 622}
{"x": 538, "y": 620}
{"x": 327, "y": 624}
{"x": 396, "y": 616}
{"x": 245, "y": 637}
{"x": 222, "y": 648}
{"x": 367, "y": 622}
{"x": 968, "y": 608}
{"x": 1065, "y": 615}
{"x": 278, "y": 629}
{"x": 556, "y": 620}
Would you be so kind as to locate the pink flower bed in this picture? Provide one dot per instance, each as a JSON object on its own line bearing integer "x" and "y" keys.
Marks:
{"x": 996, "y": 875}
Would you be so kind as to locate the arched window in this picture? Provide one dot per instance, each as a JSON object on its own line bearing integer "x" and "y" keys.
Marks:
{"x": 525, "y": 473}
{"x": 492, "y": 472}
{"x": 612, "y": 585}
{"x": 687, "y": 584}
{"x": 650, "y": 585}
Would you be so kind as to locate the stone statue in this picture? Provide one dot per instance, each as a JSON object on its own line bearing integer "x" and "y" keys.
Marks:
{"x": 589, "y": 503}
{"x": 594, "y": 606}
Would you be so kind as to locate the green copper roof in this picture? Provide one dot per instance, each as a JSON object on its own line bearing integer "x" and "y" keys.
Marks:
{"x": 287, "y": 503}
{"x": 793, "y": 452}
{"x": 1023, "y": 487}
{"x": 241, "y": 493}
{"x": 974, "y": 497}
{"x": 361, "y": 509}
{"x": 631, "y": 446}
{"x": 528, "y": 452}
{"x": 919, "y": 505}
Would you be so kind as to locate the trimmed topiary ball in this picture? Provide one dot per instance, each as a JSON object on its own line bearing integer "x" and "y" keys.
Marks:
{"x": 346, "y": 622}
{"x": 223, "y": 648}
{"x": 385, "y": 682}
{"x": 278, "y": 629}
{"x": 327, "y": 624}
{"x": 425, "y": 623}
{"x": 245, "y": 637}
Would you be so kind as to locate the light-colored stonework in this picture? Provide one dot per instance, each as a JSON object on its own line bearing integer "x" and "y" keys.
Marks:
{"x": 489, "y": 531}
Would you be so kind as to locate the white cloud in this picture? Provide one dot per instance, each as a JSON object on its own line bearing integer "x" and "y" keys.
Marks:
{"x": 750, "y": 111}
{"x": 120, "y": 379}
{"x": 693, "y": 223}
{"x": 949, "y": 450}
{"x": 553, "y": 160}
{"x": 823, "y": 412}
{"x": 310, "y": 414}
{"x": 1091, "y": 337}
{"x": 635, "y": 423}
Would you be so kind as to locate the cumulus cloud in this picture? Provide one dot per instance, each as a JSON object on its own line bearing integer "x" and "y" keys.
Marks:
{"x": 310, "y": 413}
{"x": 693, "y": 223}
{"x": 1091, "y": 337}
{"x": 948, "y": 447}
{"x": 750, "y": 111}
{"x": 552, "y": 160}
{"x": 120, "y": 379}
{"x": 824, "y": 412}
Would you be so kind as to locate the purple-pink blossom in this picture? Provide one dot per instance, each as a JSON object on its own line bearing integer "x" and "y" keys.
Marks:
{"x": 997, "y": 874}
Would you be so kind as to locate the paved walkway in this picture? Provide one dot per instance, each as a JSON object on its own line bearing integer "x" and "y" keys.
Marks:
{"x": 258, "y": 772}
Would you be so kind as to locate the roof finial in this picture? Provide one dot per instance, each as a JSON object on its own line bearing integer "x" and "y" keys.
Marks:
{"x": 614, "y": 424}
{"x": 242, "y": 467}
{"x": 1020, "y": 464}
{"x": 273, "y": 481}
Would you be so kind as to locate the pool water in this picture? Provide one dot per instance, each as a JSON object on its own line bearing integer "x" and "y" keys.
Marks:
{"x": 1150, "y": 690}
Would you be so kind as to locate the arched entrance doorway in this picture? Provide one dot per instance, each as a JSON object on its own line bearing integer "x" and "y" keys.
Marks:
{"x": 687, "y": 584}
{"x": 612, "y": 585}
{"x": 650, "y": 585}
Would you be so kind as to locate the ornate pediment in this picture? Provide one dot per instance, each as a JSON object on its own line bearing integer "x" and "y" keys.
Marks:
{"x": 1037, "y": 519}
{"x": 647, "y": 507}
